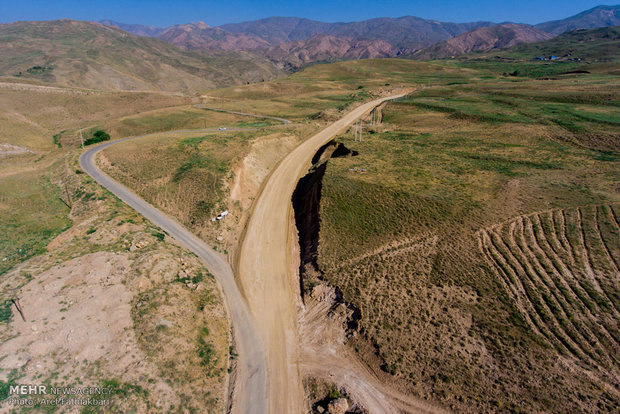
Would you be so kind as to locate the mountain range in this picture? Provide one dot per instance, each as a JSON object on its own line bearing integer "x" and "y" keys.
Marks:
{"x": 292, "y": 42}
{"x": 186, "y": 58}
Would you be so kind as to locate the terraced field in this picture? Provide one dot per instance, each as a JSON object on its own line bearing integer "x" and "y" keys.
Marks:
{"x": 560, "y": 267}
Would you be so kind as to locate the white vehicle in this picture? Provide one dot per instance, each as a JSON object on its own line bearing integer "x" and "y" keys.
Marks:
{"x": 222, "y": 128}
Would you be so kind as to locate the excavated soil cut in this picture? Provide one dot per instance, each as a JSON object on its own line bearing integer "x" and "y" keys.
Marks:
{"x": 307, "y": 205}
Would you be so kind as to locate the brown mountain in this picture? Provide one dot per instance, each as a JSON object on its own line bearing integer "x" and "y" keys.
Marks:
{"x": 600, "y": 16}
{"x": 483, "y": 39}
{"x": 326, "y": 48}
{"x": 201, "y": 36}
{"x": 293, "y": 42}
{"x": 404, "y": 32}
{"x": 92, "y": 55}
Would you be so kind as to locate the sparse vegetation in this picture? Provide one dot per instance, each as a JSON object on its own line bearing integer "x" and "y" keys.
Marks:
{"x": 31, "y": 213}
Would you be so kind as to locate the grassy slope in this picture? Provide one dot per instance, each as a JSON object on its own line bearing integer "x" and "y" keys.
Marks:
{"x": 321, "y": 92}
{"x": 31, "y": 212}
{"x": 96, "y": 56}
{"x": 401, "y": 240}
{"x": 101, "y": 223}
{"x": 525, "y": 131}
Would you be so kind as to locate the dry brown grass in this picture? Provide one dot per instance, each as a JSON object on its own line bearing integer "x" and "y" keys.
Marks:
{"x": 31, "y": 117}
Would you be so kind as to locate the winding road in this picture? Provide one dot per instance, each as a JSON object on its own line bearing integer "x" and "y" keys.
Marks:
{"x": 264, "y": 317}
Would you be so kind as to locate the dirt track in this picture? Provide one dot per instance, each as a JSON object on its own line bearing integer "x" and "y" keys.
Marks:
{"x": 264, "y": 264}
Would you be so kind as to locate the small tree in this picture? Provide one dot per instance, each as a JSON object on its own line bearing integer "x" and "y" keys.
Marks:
{"x": 101, "y": 135}
{"x": 98, "y": 136}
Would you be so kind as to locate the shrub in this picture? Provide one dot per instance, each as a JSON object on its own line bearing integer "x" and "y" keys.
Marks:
{"x": 57, "y": 140}
{"x": 334, "y": 394}
{"x": 98, "y": 136}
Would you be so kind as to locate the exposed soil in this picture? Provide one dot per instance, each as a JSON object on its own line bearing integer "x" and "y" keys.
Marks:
{"x": 307, "y": 203}
{"x": 555, "y": 266}
{"x": 326, "y": 322}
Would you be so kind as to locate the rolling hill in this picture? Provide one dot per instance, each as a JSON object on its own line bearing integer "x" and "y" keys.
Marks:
{"x": 483, "y": 39}
{"x": 600, "y": 16}
{"x": 92, "y": 55}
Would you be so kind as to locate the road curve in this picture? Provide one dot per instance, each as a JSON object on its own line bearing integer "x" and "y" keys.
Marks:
{"x": 264, "y": 267}
{"x": 250, "y": 387}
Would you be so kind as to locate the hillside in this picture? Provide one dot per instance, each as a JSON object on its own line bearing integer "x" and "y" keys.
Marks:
{"x": 483, "y": 39}
{"x": 601, "y": 16}
{"x": 407, "y": 228}
{"x": 601, "y": 44}
{"x": 294, "y": 55}
{"x": 404, "y": 33}
{"x": 92, "y": 55}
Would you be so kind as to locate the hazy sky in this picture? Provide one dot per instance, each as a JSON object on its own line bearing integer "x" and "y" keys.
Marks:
{"x": 167, "y": 12}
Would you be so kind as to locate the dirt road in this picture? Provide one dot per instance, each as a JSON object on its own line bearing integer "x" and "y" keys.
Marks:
{"x": 208, "y": 108}
{"x": 264, "y": 268}
{"x": 249, "y": 395}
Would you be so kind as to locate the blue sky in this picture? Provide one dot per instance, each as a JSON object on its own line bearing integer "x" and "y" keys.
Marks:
{"x": 166, "y": 12}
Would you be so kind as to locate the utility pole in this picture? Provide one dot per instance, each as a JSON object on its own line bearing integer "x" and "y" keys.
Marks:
{"x": 81, "y": 138}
